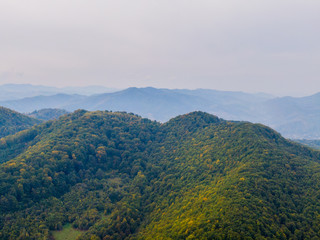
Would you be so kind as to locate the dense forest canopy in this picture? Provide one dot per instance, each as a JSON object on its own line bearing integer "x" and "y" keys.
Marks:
{"x": 120, "y": 176}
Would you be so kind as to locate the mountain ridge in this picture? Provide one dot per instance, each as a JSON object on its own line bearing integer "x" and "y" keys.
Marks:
{"x": 293, "y": 117}
{"x": 19, "y": 91}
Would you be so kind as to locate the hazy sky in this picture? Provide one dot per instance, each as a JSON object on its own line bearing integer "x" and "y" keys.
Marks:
{"x": 249, "y": 45}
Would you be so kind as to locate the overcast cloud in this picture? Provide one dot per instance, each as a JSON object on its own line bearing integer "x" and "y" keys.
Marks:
{"x": 253, "y": 46}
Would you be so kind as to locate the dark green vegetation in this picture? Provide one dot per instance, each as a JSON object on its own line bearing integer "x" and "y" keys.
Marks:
{"x": 118, "y": 176}
{"x": 48, "y": 113}
{"x": 12, "y": 122}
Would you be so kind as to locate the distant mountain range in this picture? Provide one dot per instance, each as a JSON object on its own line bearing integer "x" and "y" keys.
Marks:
{"x": 310, "y": 143}
{"x": 293, "y": 117}
{"x": 157, "y": 104}
{"x": 19, "y": 91}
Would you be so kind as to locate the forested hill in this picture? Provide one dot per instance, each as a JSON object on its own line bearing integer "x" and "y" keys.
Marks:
{"x": 12, "y": 122}
{"x": 119, "y": 176}
{"x": 48, "y": 113}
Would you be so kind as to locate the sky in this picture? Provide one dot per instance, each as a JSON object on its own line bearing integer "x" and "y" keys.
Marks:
{"x": 249, "y": 45}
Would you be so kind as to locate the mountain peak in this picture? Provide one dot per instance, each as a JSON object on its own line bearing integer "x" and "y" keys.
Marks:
{"x": 205, "y": 117}
{"x": 192, "y": 121}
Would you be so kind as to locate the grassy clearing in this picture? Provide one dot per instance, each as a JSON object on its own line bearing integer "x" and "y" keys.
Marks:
{"x": 67, "y": 233}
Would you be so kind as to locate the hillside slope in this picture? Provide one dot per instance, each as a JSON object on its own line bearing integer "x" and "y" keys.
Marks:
{"x": 12, "y": 122}
{"x": 119, "y": 176}
{"x": 235, "y": 181}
